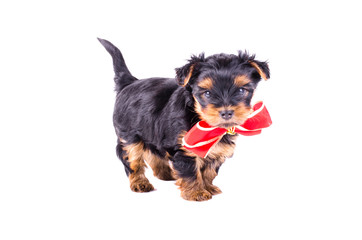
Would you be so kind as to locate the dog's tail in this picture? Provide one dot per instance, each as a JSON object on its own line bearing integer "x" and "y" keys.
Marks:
{"x": 122, "y": 77}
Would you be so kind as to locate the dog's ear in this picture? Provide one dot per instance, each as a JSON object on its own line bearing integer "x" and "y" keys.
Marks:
{"x": 184, "y": 74}
{"x": 189, "y": 71}
{"x": 262, "y": 68}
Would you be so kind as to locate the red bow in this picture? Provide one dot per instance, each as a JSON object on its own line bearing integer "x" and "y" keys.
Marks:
{"x": 202, "y": 136}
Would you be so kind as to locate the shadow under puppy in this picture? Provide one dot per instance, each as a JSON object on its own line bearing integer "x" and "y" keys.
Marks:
{"x": 152, "y": 115}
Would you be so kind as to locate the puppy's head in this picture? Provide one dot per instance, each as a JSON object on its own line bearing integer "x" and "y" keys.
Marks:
{"x": 222, "y": 86}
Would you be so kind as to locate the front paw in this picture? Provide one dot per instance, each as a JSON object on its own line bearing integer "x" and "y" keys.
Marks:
{"x": 196, "y": 195}
{"x": 213, "y": 190}
{"x": 141, "y": 185}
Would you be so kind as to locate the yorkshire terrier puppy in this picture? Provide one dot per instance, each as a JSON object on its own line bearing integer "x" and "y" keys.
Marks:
{"x": 151, "y": 116}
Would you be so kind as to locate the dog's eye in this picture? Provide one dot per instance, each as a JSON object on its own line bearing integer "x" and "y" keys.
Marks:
{"x": 207, "y": 94}
{"x": 243, "y": 90}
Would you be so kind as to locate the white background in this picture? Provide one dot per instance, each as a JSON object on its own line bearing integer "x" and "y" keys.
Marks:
{"x": 59, "y": 174}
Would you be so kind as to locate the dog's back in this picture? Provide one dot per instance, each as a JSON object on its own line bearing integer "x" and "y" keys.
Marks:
{"x": 153, "y": 111}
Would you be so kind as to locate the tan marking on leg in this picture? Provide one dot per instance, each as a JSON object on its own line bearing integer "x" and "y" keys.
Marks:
{"x": 192, "y": 189}
{"x": 215, "y": 159}
{"x": 138, "y": 180}
{"x": 160, "y": 166}
{"x": 209, "y": 173}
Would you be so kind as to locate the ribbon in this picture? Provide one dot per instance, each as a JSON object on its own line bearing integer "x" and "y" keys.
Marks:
{"x": 202, "y": 136}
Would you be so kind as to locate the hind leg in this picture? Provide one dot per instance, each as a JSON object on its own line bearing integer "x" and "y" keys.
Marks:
{"x": 122, "y": 156}
{"x": 132, "y": 158}
{"x": 160, "y": 166}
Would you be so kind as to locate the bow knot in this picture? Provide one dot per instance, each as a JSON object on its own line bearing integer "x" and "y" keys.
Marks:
{"x": 231, "y": 131}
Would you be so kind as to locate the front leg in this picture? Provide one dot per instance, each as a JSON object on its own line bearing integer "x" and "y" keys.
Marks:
{"x": 222, "y": 150}
{"x": 209, "y": 172}
{"x": 187, "y": 167}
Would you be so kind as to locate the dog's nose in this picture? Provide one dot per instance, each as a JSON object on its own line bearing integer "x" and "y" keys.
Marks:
{"x": 226, "y": 114}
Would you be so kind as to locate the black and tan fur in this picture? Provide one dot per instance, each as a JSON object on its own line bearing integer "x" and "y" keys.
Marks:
{"x": 152, "y": 115}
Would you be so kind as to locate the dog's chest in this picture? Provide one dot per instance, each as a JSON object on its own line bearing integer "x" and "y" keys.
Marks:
{"x": 223, "y": 149}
